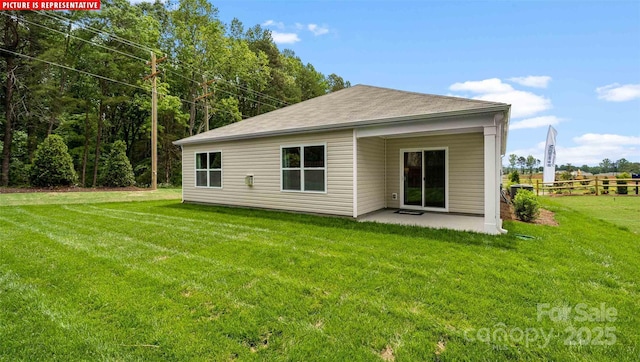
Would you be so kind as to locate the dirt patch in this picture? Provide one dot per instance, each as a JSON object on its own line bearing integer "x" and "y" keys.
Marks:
{"x": 441, "y": 346}
{"x": 546, "y": 217}
{"x": 254, "y": 347}
{"x": 387, "y": 354}
{"x": 160, "y": 258}
{"x": 15, "y": 190}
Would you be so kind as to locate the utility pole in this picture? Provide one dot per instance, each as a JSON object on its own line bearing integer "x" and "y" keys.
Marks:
{"x": 205, "y": 86}
{"x": 154, "y": 119}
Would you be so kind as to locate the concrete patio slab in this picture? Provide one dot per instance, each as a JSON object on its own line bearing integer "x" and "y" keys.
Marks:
{"x": 428, "y": 219}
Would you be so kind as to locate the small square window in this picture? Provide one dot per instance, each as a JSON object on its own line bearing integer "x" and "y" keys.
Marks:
{"x": 314, "y": 180}
{"x": 314, "y": 156}
{"x": 291, "y": 180}
{"x": 291, "y": 157}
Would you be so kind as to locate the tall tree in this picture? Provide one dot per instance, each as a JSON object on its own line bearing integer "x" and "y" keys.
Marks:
{"x": 531, "y": 163}
{"x": 606, "y": 165}
{"x": 11, "y": 42}
{"x": 105, "y": 100}
{"x": 197, "y": 45}
{"x": 623, "y": 165}
{"x": 336, "y": 82}
{"x": 512, "y": 161}
{"x": 522, "y": 162}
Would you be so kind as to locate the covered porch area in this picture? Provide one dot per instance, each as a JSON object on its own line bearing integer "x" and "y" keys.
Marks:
{"x": 447, "y": 170}
{"x": 434, "y": 220}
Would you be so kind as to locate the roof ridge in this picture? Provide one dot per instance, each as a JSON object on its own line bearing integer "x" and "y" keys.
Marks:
{"x": 353, "y": 106}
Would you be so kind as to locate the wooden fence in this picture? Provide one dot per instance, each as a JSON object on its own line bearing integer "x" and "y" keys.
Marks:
{"x": 594, "y": 185}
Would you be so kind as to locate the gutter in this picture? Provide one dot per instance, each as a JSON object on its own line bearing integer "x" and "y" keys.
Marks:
{"x": 342, "y": 126}
{"x": 505, "y": 132}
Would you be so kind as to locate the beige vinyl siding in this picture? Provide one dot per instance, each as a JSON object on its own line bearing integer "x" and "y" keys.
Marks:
{"x": 466, "y": 169}
{"x": 370, "y": 174}
{"x": 261, "y": 158}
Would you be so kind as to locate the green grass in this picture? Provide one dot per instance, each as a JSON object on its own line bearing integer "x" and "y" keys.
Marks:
{"x": 49, "y": 198}
{"x": 623, "y": 211}
{"x": 161, "y": 280}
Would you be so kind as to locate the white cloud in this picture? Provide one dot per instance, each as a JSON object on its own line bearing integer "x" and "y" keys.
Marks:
{"x": 493, "y": 85}
{"x": 523, "y": 104}
{"x": 535, "y": 81}
{"x": 317, "y": 30}
{"x": 273, "y": 24}
{"x": 590, "y": 149}
{"x": 281, "y": 36}
{"x": 604, "y": 139}
{"x": 284, "y": 38}
{"x": 619, "y": 93}
{"x": 535, "y": 122}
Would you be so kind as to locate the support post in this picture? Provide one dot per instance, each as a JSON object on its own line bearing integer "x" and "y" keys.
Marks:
{"x": 154, "y": 125}
{"x": 206, "y": 108}
{"x": 491, "y": 177}
{"x": 597, "y": 188}
{"x": 205, "y": 95}
{"x": 154, "y": 118}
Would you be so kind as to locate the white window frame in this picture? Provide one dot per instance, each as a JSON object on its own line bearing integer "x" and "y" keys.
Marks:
{"x": 196, "y": 169}
{"x": 302, "y": 168}
{"x": 446, "y": 179}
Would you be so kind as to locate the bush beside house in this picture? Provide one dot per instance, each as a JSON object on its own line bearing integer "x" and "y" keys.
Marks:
{"x": 526, "y": 205}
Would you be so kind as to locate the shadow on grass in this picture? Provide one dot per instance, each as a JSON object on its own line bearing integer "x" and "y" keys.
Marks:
{"x": 506, "y": 241}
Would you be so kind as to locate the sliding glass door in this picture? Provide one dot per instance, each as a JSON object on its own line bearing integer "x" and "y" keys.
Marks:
{"x": 424, "y": 179}
{"x": 434, "y": 178}
{"x": 413, "y": 178}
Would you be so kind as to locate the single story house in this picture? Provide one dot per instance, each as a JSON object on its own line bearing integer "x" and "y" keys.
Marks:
{"x": 353, "y": 152}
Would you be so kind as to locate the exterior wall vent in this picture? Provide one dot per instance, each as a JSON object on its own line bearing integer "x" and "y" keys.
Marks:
{"x": 248, "y": 180}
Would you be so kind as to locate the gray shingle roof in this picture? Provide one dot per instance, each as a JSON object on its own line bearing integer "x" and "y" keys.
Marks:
{"x": 347, "y": 108}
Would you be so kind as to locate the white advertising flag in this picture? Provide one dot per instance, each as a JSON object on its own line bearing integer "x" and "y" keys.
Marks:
{"x": 550, "y": 156}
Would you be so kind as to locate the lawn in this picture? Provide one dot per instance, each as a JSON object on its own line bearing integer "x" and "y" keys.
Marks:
{"x": 160, "y": 280}
{"x": 620, "y": 210}
{"x": 48, "y": 198}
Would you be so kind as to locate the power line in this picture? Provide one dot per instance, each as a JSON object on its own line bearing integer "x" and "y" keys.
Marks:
{"x": 98, "y": 31}
{"x": 101, "y": 77}
{"x": 143, "y": 47}
{"x": 239, "y": 86}
{"x": 222, "y": 90}
{"x": 146, "y": 48}
{"x": 256, "y": 92}
{"x": 84, "y": 40}
{"x": 73, "y": 69}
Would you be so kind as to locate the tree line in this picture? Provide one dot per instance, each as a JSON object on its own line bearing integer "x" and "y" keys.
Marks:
{"x": 531, "y": 164}
{"x": 80, "y": 75}
{"x": 606, "y": 166}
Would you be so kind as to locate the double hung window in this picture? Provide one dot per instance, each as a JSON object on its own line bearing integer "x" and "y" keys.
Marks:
{"x": 304, "y": 168}
{"x": 209, "y": 169}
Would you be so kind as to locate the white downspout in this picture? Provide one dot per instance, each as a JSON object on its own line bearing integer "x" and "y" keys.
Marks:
{"x": 385, "y": 173}
{"x": 355, "y": 174}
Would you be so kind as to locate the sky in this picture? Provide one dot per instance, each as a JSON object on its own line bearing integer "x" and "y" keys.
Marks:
{"x": 571, "y": 64}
